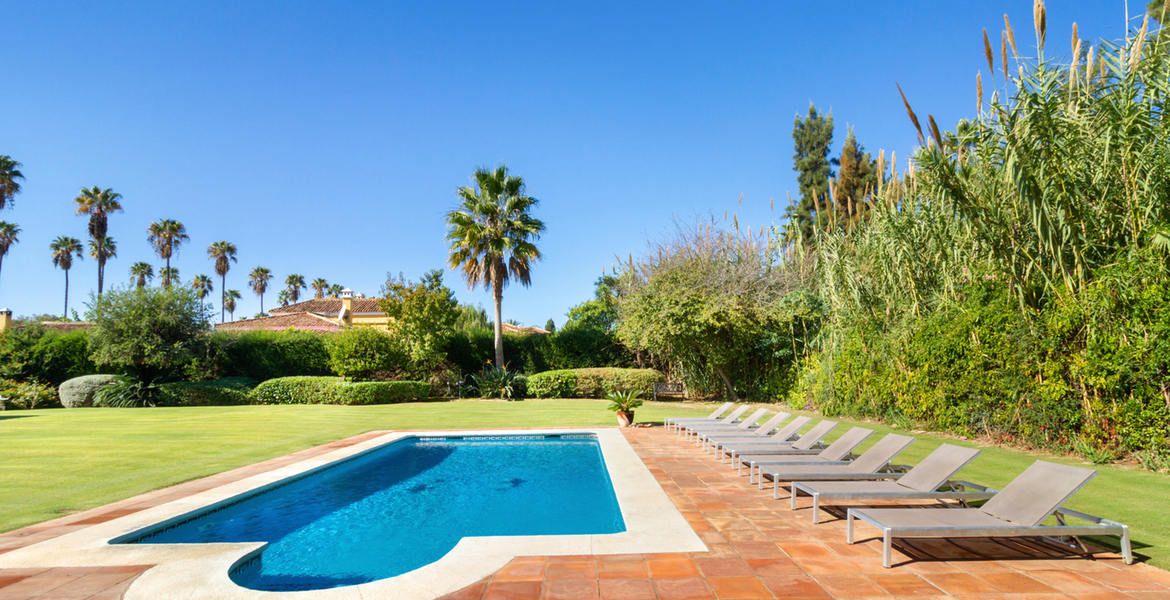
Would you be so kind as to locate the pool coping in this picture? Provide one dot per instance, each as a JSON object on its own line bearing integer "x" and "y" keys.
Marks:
{"x": 653, "y": 525}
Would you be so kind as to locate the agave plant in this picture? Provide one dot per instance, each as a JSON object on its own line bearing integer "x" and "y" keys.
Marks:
{"x": 494, "y": 382}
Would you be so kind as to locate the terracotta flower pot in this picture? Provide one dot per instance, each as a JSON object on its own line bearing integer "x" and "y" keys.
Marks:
{"x": 625, "y": 418}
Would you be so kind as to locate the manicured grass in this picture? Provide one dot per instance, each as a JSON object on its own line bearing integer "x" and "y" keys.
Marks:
{"x": 55, "y": 462}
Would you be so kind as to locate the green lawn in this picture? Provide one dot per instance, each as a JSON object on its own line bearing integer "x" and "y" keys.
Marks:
{"x": 54, "y": 462}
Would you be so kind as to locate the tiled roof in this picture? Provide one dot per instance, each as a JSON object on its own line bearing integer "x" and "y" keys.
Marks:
{"x": 510, "y": 328}
{"x": 65, "y": 325}
{"x": 328, "y": 306}
{"x": 301, "y": 321}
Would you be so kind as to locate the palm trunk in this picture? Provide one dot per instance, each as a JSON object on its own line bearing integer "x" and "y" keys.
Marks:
{"x": 222, "y": 294}
{"x": 65, "y": 315}
{"x": 101, "y": 272}
{"x": 168, "y": 271}
{"x": 498, "y": 295}
{"x": 261, "y": 303}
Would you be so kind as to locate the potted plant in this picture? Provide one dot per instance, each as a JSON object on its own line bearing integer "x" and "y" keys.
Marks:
{"x": 624, "y": 403}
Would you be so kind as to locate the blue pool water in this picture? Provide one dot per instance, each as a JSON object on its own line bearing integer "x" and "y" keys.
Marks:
{"x": 406, "y": 505}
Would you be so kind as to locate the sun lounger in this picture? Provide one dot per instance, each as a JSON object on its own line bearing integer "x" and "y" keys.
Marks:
{"x": 757, "y": 433}
{"x": 784, "y": 434}
{"x": 929, "y": 480}
{"x": 777, "y": 445}
{"x": 871, "y": 461}
{"x": 1017, "y": 511}
{"x": 714, "y": 416}
{"x": 730, "y": 419}
{"x": 839, "y": 452}
{"x": 746, "y": 424}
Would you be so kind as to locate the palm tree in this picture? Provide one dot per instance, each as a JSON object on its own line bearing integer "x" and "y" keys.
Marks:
{"x": 103, "y": 250}
{"x": 335, "y": 290}
{"x": 169, "y": 276}
{"x": 8, "y": 176}
{"x": 166, "y": 236}
{"x": 224, "y": 254}
{"x": 319, "y": 286}
{"x": 491, "y": 235}
{"x": 282, "y": 298}
{"x": 8, "y": 233}
{"x": 64, "y": 249}
{"x": 229, "y": 301}
{"x": 295, "y": 283}
{"x": 98, "y": 204}
{"x": 258, "y": 279}
{"x": 202, "y": 286}
{"x": 142, "y": 272}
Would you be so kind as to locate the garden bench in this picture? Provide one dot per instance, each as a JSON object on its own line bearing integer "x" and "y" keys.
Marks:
{"x": 671, "y": 389}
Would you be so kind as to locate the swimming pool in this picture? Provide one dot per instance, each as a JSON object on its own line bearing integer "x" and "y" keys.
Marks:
{"x": 405, "y": 505}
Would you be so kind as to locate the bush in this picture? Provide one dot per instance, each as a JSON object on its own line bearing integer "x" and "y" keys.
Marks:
{"x": 131, "y": 392}
{"x": 54, "y": 357}
{"x": 592, "y": 383}
{"x": 78, "y": 392}
{"x": 262, "y": 355}
{"x": 229, "y": 391}
{"x": 494, "y": 382}
{"x": 28, "y": 394}
{"x": 357, "y": 352}
{"x": 333, "y": 390}
{"x": 147, "y": 332}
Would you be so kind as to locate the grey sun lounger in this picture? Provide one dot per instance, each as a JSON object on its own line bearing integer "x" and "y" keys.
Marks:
{"x": 747, "y": 423}
{"x": 730, "y": 419}
{"x": 757, "y": 433}
{"x": 871, "y": 461}
{"x": 773, "y": 436}
{"x": 839, "y": 452}
{"x": 714, "y": 416}
{"x": 929, "y": 480}
{"x": 1017, "y": 511}
{"x": 777, "y": 445}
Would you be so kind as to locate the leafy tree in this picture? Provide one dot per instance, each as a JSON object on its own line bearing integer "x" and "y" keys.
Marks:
{"x": 491, "y": 237}
{"x": 424, "y": 314}
{"x": 9, "y": 175}
{"x": 601, "y": 312}
{"x": 357, "y": 352}
{"x": 229, "y": 302}
{"x": 224, "y": 254}
{"x": 293, "y": 285}
{"x": 98, "y": 204}
{"x": 169, "y": 276}
{"x": 63, "y": 250}
{"x": 812, "y": 136}
{"x": 856, "y": 180}
{"x": 320, "y": 286}
{"x": 550, "y": 326}
{"x": 146, "y": 332}
{"x": 471, "y": 319}
{"x": 258, "y": 279}
{"x": 141, "y": 273}
{"x": 166, "y": 236}
{"x": 8, "y": 237}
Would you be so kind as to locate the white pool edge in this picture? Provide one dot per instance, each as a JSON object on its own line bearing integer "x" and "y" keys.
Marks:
{"x": 200, "y": 571}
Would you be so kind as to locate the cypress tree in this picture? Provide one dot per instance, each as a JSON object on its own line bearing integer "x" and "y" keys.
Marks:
{"x": 855, "y": 180}
{"x": 811, "y": 138}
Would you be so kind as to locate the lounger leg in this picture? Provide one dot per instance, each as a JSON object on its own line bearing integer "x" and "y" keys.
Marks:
{"x": 1126, "y": 550}
{"x": 816, "y": 508}
{"x": 849, "y": 526}
{"x": 793, "y": 488}
{"x": 775, "y": 488}
{"x": 887, "y": 547}
{"x": 739, "y": 468}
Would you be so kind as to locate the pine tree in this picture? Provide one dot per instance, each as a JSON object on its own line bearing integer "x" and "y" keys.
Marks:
{"x": 812, "y": 137}
{"x": 855, "y": 180}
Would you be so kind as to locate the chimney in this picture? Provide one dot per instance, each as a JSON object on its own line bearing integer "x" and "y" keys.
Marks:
{"x": 346, "y": 307}
{"x": 5, "y": 319}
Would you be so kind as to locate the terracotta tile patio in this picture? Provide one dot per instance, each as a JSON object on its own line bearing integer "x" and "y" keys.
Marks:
{"x": 757, "y": 548}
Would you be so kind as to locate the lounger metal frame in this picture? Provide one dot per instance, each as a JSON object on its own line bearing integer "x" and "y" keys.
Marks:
{"x": 951, "y": 490}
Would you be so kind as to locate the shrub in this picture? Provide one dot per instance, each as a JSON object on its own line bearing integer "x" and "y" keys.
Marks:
{"x": 229, "y": 391}
{"x": 131, "y": 392}
{"x": 33, "y": 352}
{"x": 359, "y": 351}
{"x": 78, "y": 392}
{"x": 262, "y": 355}
{"x": 28, "y": 394}
{"x": 333, "y": 390}
{"x": 147, "y": 332}
{"x": 494, "y": 382}
{"x": 592, "y": 383}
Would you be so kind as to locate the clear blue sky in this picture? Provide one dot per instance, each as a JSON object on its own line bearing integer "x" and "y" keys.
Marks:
{"x": 327, "y": 139}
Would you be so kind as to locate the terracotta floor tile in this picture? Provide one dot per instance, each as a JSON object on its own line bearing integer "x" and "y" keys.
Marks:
{"x": 512, "y": 590}
{"x": 825, "y": 566}
{"x": 800, "y": 586}
{"x": 571, "y": 589}
{"x": 1126, "y": 581}
{"x": 904, "y": 584}
{"x": 627, "y": 589}
{"x": 1069, "y": 582}
{"x": 672, "y": 568}
{"x": 723, "y": 567}
{"x": 843, "y": 586}
{"x": 738, "y": 587}
{"x": 471, "y": 592}
{"x": 9, "y": 580}
{"x": 960, "y": 583}
{"x": 88, "y": 585}
{"x": 619, "y": 558}
{"x": 572, "y": 570}
{"x": 717, "y": 551}
{"x": 686, "y": 588}
{"x": 1103, "y": 596}
{"x": 572, "y": 558}
{"x": 622, "y": 570}
{"x": 525, "y": 571}
{"x": 1016, "y": 583}
{"x": 758, "y": 550}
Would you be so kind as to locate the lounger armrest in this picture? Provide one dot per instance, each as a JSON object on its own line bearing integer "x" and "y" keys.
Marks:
{"x": 967, "y": 485}
{"x": 1067, "y": 512}
{"x": 862, "y": 476}
{"x": 898, "y": 470}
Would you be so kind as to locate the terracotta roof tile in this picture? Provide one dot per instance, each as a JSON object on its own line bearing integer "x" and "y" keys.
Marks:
{"x": 301, "y": 321}
{"x": 510, "y": 328}
{"x": 328, "y": 306}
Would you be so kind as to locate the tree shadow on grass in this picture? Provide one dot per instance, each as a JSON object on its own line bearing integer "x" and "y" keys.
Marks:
{"x": 4, "y": 417}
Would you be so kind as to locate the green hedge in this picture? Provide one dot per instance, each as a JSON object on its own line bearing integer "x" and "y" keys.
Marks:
{"x": 229, "y": 391}
{"x": 592, "y": 383}
{"x": 571, "y": 349}
{"x": 333, "y": 390}
{"x": 53, "y": 357}
{"x": 263, "y": 355}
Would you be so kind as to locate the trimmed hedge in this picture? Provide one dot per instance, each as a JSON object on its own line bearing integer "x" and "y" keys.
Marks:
{"x": 230, "y": 391}
{"x": 592, "y": 383}
{"x": 262, "y": 355}
{"x": 333, "y": 390}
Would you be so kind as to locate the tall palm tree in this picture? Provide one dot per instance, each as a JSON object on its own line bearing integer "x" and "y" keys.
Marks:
{"x": 63, "y": 250}
{"x": 335, "y": 290}
{"x": 282, "y": 298}
{"x": 229, "y": 301}
{"x": 294, "y": 284}
{"x": 203, "y": 286}
{"x": 258, "y": 279}
{"x": 319, "y": 286}
{"x": 491, "y": 236}
{"x": 166, "y": 236}
{"x": 142, "y": 273}
{"x": 224, "y": 254}
{"x": 169, "y": 276}
{"x": 8, "y": 176}
{"x": 8, "y": 233}
{"x": 98, "y": 204}
{"x": 103, "y": 250}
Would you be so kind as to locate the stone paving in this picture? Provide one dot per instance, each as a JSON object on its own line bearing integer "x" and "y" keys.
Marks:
{"x": 757, "y": 548}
